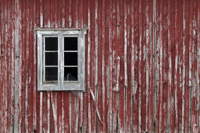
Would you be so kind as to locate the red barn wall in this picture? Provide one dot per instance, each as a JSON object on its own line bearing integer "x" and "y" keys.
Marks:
{"x": 142, "y": 67}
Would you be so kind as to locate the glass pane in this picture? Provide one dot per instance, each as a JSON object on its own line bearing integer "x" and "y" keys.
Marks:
{"x": 51, "y": 43}
{"x": 71, "y": 58}
{"x": 51, "y": 73}
{"x": 70, "y": 43}
{"x": 51, "y": 58}
{"x": 71, "y": 74}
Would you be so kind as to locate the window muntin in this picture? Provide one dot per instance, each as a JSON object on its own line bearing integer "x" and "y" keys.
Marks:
{"x": 71, "y": 58}
{"x": 62, "y": 65}
{"x": 50, "y": 63}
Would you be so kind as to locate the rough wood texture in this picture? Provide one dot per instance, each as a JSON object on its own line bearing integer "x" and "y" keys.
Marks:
{"x": 142, "y": 67}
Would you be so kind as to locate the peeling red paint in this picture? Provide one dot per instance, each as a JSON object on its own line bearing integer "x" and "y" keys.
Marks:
{"x": 142, "y": 67}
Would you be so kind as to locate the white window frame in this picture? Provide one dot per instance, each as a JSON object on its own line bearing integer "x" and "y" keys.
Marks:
{"x": 61, "y": 85}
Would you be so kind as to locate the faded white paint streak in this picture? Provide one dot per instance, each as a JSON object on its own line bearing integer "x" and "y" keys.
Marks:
{"x": 17, "y": 90}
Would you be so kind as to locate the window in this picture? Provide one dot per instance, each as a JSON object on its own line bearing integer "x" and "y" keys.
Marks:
{"x": 61, "y": 59}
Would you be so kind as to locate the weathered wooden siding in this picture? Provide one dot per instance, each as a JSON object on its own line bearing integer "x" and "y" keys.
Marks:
{"x": 142, "y": 67}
